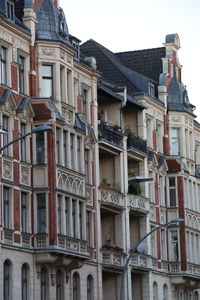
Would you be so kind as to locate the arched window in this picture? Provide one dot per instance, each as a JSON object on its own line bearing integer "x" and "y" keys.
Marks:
{"x": 59, "y": 290}
{"x": 90, "y": 287}
{"x": 165, "y": 292}
{"x": 43, "y": 284}
{"x": 6, "y": 280}
{"x": 155, "y": 291}
{"x": 24, "y": 282}
{"x": 76, "y": 286}
{"x": 196, "y": 296}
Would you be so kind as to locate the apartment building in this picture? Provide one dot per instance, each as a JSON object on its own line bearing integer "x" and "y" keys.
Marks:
{"x": 122, "y": 158}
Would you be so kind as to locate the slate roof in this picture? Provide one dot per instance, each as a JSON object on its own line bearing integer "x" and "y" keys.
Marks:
{"x": 114, "y": 70}
{"x": 178, "y": 98}
{"x": 147, "y": 62}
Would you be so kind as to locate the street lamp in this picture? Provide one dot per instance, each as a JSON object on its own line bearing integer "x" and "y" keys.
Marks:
{"x": 34, "y": 130}
{"x": 134, "y": 250}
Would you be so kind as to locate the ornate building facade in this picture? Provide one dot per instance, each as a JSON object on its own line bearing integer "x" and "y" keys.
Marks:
{"x": 122, "y": 158}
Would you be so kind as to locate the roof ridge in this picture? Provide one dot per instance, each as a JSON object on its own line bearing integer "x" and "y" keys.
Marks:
{"x": 139, "y": 50}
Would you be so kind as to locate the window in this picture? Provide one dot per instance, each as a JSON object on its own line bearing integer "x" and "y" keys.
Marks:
{"x": 163, "y": 245}
{"x": 161, "y": 190}
{"x": 6, "y": 135}
{"x": 6, "y": 207}
{"x": 151, "y": 90}
{"x": 59, "y": 286}
{"x": 6, "y": 280}
{"x": 89, "y": 228}
{"x": 79, "y": 154}
{"x": 74, "y": 218}
{"x": 59, "y": 216}
{"x": 3, "y": 66}
{"x": 81, "y": 220}
{"x": 85, "y": 96}
{"x": 67, "y": 219}
{"x": 23, "y": 142}
{"x": 47, "y": 81}
{"x": 21, "y": 74}
{"x": 69, "y": 86}
{"x": 159, "y": 137}
{"x": 175, "y": 141}
{"x": 172, "y": 191}
{"x": 41, "y": 213}
{"x": 24, "y": 282}
{"x": 153, "y": 242}
{"x": 40, "y": 148}
{"x": 174, "y": 245}
{"x": 165, "y": 292}
{"x": 43, "y": 284}
{"x": 10, "y": 10}
{"x": 24, "y": 212}
{"x": 62, "y": 81}
{"x": 149, "y": 131}
{"x": 90, "y": 288}
{"x": 76, "y": 287}
{"x": 58, "y": 145}
{"x": 151, "y": 189}
{"x": 65, "y": 147}
{"x": 196, "y": 296}
{"x": 155, "y": 291}
{"x": 72, "y": 150}
{"x": 87, "y": 170}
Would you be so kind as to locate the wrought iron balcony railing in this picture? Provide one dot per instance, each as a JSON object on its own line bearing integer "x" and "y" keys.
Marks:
{"x": 110, "y": 135}
{"x": 136, "y": 143}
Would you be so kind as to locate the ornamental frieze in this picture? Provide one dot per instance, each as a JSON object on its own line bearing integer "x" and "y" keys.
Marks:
{"x": 25, "y": 175}
{"x": 7, "y": 169}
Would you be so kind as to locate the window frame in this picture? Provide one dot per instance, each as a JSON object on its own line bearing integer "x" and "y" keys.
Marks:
{"x": 3, "y": 62}
{"x": 25, "y": 282}
{"x": 22, "y": 68}
{"x": 24, "y": 212}
{"x": 175, "y": 140}
{"x": 6, "y": 280}
{"x": 47, "y": 78}
{"x": 7, "y": 208}
{"x": 10, "y": 10}
{"x": 173, "y": 189}
{"x": 76, "y": 286}
{"x": 42, "y": 209}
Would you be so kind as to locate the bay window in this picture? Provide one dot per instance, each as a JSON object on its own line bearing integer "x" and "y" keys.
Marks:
{"x": 175, "y": 141}
{"x": 47, "y": 81}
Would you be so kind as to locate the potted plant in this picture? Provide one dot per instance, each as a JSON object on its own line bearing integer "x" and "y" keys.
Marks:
{"x": 105, "y": 183}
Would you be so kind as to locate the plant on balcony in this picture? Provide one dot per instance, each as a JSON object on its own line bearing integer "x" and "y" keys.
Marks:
{"x": 116, "y": 127}
{"x": 130, "y": 132}
{"x": 105, "y": 183}
{"x": 134, "y": 187}
{"x": 109, "y": 246}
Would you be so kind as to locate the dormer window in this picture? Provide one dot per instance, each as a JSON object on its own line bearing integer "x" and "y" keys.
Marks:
{"x": 151, "y": 90}
{"x": 10, "y": 10}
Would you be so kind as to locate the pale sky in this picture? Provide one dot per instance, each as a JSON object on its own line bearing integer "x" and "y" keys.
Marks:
{"x": 126, "y": 25}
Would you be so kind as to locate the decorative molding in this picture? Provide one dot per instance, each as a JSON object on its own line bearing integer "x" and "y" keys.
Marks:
{"x": 7, "y": 169}
{"x": 25, "y": 175}
{"x": 71, "y": 183}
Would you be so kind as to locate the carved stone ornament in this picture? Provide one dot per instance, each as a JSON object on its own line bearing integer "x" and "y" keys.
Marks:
{"x": 48, "y": 51}
{"x": 25, "y": 175}
{"x": 70, "y": 183}
{"x": 62, "y": 54}
{"x": 175, "y": 118}
{"x": 7, "y": 169}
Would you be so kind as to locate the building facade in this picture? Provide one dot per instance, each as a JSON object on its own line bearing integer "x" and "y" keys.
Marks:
{"x": 122, "y": 158}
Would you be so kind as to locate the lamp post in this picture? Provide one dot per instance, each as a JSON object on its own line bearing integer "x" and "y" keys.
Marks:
{"x": 134, "y": 250}
{"x": 34, "y": 130}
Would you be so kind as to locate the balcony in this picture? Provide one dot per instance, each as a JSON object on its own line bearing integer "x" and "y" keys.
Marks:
{"x": 138, "y": 204}
{"x": 40, "y": 241}
{"x": 140, "y": 261}
{"x": 72, "y": 244}
{"x": 110, "y": 197}
{"x": 112, "y": 257}
{"x": 137, "y": 145}
{"x": 111, "y": 136}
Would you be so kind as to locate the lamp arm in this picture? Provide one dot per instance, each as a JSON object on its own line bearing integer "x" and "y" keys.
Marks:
{"x": 15, "y": 140}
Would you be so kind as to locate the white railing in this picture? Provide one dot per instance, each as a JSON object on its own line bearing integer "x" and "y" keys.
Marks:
{"x": 137, "y": 202}
{"x": 109, "y": 196}
{"x": 140, "y": 260}
{"x": 112, "y": 257}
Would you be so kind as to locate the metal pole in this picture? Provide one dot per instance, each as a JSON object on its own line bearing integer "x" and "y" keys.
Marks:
{"x": 134, "y": 250}
{"x": 34, "y": 130}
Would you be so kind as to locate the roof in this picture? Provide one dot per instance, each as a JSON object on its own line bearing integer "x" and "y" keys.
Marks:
{"x": 114, "y": 70}
{"x": 178, "y": 98}
{"x": 147, "y": 62}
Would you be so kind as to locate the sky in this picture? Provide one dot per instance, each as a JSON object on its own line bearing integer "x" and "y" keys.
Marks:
{"x": 126, "y": 25}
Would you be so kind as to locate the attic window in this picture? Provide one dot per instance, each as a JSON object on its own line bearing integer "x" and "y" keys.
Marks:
{"x": 10, "y": 10}
{"x": 151, "y": 90}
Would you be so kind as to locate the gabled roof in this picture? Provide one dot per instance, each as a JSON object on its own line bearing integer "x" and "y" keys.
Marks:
{"x": 114, "y": 70}
{"x": 147, "y": 62}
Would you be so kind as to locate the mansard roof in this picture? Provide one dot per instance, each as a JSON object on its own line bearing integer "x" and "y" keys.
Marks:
{"x": 178, "y": 97}
{"x": 147, "y": 62}
{"x": 18, "y": 13}
{"x": 51, "y": 23}
{"x": 114, "y": 70}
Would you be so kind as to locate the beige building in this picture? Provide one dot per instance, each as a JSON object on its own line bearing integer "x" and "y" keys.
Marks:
{"x": 122, "y": 158}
